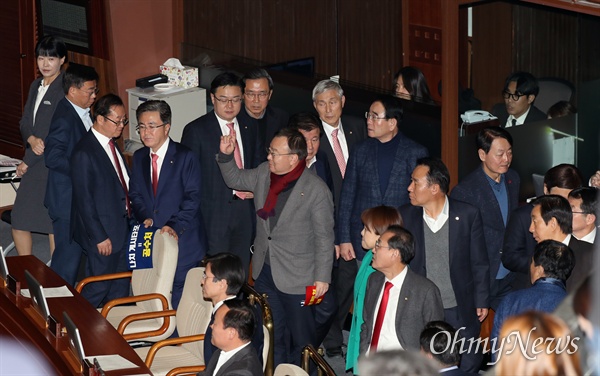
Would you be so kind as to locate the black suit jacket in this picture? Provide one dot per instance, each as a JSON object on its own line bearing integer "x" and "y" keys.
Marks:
{"x": 244, "y": 363}
{"x": 99, "y": 203}
{"x": 535, "y": 114}
{"x": 355, "y": 130}
{"x": 273, "y": 120}
{"x": 203, "y": 137}
{"x": 469, "y": 266}
{"x": 475, "y": 189}
{"x": 419, "y": 303}
{"x": 584, "y": 263}
{"x": 518, "y": 246}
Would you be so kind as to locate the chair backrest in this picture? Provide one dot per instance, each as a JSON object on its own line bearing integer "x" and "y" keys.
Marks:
{"x": 553, "y": 90}
{"x": 193, "y": 313}
{"x": 159, "y": 278}
{"x": 268, "y": 356}
{"x": 285, "y": 369}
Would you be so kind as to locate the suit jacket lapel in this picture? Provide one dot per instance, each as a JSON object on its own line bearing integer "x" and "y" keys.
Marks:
{"x": 454, "y": 222}
{"x": 490, "y": 197}
{"x": 166, "y": 170}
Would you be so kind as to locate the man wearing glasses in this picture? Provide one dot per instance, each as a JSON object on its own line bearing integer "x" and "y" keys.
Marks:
{"x": 70, "y": 122}
{"x": 101, "y": 208}
{"x": 165, "y": 189}
{"x": 520, "y": 90}
{"x": 258, "y": 88}
{"x": 228, "y": 214}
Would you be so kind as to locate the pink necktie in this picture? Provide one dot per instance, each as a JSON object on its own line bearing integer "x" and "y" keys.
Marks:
{"x": 120, "y": 172}
{"x": 154, "y": 173}
{"x": 238, "y": 159}
{"x": 380, "y": 316}
{"x": 337, "y": 150}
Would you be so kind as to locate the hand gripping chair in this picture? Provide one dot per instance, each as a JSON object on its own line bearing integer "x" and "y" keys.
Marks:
{"x": 184, "y": 354}
{"x": 151, "y": 293}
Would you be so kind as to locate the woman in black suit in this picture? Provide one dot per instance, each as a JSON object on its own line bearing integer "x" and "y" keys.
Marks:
{"x": 29, "y": 214}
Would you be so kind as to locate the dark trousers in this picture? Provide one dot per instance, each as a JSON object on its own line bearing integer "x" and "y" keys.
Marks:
{"x": 499, "y": 288}
{"x": 469, "y": 329}
{"x": 294, "y": 324}
{"x": 67, "y": 252}
{"x": 344, "y": 276}
{"x": 99, "y": 293}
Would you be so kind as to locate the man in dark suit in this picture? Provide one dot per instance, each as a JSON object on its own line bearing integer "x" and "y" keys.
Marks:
{"x": 232, "y": 331}
{"x": 584, "y": 203}
{"x": 258, "y": 89}
{"x": 71, "y": 120}
{"x": 494, "y": 189}
{"x": 438, "y": 344}
{"x": 294, "y": 237}
{"x": 450, "y": 251}
{"x": 223, "y": 279}
{"x": 378, "y": 174}
{"x": 518, "y": 244}
{"x": 520, "y": 90}
{"x": 228, "y": 214}
{"x": 101, "y": 209}
{"x": 165, "y": 189}
{"x": 406, "y": 303}
{"x": 551, "y": 218}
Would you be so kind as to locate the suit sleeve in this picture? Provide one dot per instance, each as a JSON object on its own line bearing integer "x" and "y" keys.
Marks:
{"x": 190, "y": 205}
{"x": 323, "y": 224}
{"x": 138, "y": 204}
{"x": 515, "y": 255}
{"x": 191, "y": 138}
{"x": 433, "y": 308}
{"x": 57, "y": 143}
{"x": 84, "y": 183}
{"x": 480, "y": 266}
{"x": 347, "y": 198}
{"x": 241, "y": 180}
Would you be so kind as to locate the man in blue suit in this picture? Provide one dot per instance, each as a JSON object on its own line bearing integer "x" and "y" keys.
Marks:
{"x": 450, "y": 251}
{"x": 165, "y": 189}
{"x": 494, "y": 189}
{"x": 101, "y": 209}
{"x": 228, "y": 214}
{"x": 71, "y": 120}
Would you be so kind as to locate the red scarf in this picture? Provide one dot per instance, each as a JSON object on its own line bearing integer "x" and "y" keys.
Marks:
{"x": 278, "y": 184}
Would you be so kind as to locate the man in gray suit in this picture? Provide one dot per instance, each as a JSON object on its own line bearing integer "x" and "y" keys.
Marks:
{"x": 294, "y": 235}
{"x": 412, "y": 300}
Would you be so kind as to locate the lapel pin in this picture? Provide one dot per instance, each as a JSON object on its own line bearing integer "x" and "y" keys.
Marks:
{"x": 457, "y": 218}
{"x": 47, "y": 102}
{"x": 171, "y": 161}
{"x": 405, "y": 298}
{"x": 301, "y": 193}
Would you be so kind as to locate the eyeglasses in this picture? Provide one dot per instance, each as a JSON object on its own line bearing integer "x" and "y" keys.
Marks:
{"x": 373, "y": 116}
{"x": 378, "y": 245}
{"x": 515, "y": 97}
{"x": 149, "y": 128}
{"x": 273, "y": 154}
{"x": 90, "y": 91}
{"x": 214, "y": 278}
{"x": 261, "y": 96}
{"x": 225, "y": 100}
{"x": 579, "y": 212}
{"x": 123, "y": 122}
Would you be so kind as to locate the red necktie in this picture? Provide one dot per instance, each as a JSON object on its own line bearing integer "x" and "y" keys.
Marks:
{"x": 120, "y": 172}
{"x": 380, "y": 316}
{"x": 154, "y": 173}
{"x": 238, "y": 159}
{"x": 337, "y": 150}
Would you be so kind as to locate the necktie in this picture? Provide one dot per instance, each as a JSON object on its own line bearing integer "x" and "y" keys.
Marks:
{"x": 380, "y": 316}
{"x": 154, "y": 173}
{"x": 238, "y": 159}
{"x": 337, "y": 150}
{"x": 514, "y": 122}
{"x": 120, "y": 172}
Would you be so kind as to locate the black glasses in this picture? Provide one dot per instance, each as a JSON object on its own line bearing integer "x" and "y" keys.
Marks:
{"x": 225, "y": 100}
{"x": 261, "y": 96}
{"x": 148, "y": 128}
{"x": 90, "y": 91}
{"x": 378, "y": 245}
{"x": 273, "y": 154}
{"x": 123, "y": 122}
{"x": 515, "y": 97}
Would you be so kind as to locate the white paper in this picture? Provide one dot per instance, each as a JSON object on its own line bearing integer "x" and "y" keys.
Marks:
{"x": 111, "y": 362}
{"x": 51, "y": 292}
{"x": 173, "y": 62}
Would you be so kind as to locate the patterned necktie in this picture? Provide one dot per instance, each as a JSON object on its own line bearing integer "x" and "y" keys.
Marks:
{"x": 337, "y": 150}
{"x": 120, "y": 172}
{"x": 380, "y": 316}
{"x": 154, "y": 173}
{"x": 238, "y": 159}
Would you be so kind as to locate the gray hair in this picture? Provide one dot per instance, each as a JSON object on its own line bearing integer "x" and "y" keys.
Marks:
{"x": 325, "y": 85}
{"x": 396, "y": 362}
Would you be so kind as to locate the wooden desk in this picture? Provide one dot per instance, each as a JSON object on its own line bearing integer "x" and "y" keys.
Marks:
{"x": 98, "y": 336}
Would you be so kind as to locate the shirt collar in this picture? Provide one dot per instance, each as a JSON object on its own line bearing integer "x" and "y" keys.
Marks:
{"x": 162, "y": 150}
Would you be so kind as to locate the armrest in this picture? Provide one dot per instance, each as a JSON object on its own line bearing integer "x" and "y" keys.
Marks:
{"x": 186, "y": 370}
{"x": 145, "y": 316}
{"x": 98, "y": 278}
{"x": 134, "y": 299}
{"x": 169, "y": 342}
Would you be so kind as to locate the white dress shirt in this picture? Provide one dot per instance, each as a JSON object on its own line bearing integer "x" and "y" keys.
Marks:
{"x": 341, "y": 137}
